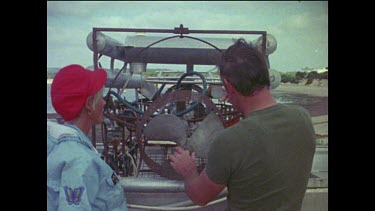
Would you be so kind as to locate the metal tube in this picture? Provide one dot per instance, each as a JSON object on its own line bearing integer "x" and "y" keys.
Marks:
{"x": 176, "y": 78}
{"x": 172, "y": 56}
{"x": 177, "y": 32}
{"x": 183, "y": 82}
{"x": 151, "y": 185}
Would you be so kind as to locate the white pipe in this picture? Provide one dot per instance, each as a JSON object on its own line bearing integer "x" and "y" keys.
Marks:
{"x": 132, "y": 162}
{"x": 183, "y": 82}
{"x": 165, "y": 207}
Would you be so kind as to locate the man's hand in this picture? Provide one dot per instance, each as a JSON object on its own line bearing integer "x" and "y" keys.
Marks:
{"x": 184, "y": 163}
{"x": 199, "y": 187}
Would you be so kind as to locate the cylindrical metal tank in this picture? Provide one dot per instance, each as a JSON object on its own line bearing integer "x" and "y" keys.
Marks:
{"x": 169, "y": 51}
{"x": 271, "y": 44}
{"x": 135, "y": 81}
{"x": 106, "y": 45}
{"x": 275, "y": 78}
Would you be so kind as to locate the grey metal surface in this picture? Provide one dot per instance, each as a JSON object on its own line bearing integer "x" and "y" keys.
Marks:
{"x": 221, "y": 43}
{"x": 275, "y": 78}
{"x": 201, "y": 139}
{"x": 135, "y": 80}
{"x": 169, "y": 51}
{"x": 151, "y": 185}
{"x": 106, "y": 45}
{"x": 148, "y": 90}
{"x": 164, "y": 194}
{"x": 192, "y": 56}
{"x": 164, "y": 185}
{"x": 320, "y": 162}
{"x": 271, "y": 44}
{"x": 167, "y": 127}
{"x": 137, "y": 67}
{"x": 315, "y": 199}
{"x": 217, "y": 91}
{"x": 143, "y": 41}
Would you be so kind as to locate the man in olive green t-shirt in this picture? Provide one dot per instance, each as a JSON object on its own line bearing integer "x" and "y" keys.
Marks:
{"x": 265, "y": 159}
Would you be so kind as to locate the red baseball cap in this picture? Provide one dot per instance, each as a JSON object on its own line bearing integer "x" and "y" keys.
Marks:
{"x": 71, "y": 86}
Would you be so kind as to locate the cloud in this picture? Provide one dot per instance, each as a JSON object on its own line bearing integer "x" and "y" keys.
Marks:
{"x": 305, "y": 22}
{"x": 72, "y": 8}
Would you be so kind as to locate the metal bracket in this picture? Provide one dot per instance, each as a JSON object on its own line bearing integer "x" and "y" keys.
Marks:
{"x": 181, "y": 30}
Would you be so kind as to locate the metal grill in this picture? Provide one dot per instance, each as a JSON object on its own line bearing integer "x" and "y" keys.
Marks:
{"x": 160, "y": 154}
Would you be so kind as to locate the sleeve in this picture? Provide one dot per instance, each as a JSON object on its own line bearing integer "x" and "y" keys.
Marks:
{"x": 112, "y": 193}
{"x": 218, "y": 166}
{"x": 79, "y": 179}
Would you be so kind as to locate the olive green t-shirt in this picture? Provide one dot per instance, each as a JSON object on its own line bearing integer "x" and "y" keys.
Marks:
{"x": 265, "y": 160}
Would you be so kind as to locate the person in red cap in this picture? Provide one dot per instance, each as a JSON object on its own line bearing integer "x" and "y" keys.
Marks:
{"x": 77, "y": 178}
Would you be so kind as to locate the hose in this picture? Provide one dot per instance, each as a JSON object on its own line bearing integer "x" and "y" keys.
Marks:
{"x": 132, "y": 162}
{"x": 203, "y": 91}
{"x": 125, "y": 102}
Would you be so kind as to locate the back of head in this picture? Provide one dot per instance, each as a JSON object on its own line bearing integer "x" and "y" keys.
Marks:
{"x": 71, "y": 87}
{"x": 244, "y": 67}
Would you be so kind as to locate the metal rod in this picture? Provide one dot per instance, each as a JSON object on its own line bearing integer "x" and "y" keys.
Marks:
{"x": 183, "y": 82}
{"x": 264, "y": 42}
{"x": 176, "y": 78}
{"x": 178, "y": 32}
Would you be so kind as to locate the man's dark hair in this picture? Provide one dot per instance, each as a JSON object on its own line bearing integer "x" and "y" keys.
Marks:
{"x": 244, "y": 67}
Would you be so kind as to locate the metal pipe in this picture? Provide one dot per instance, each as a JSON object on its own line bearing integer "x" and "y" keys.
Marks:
{"x": 176, "y": 78}
{"x": 183, "y": 82}
{"x": 151, "y": 185}
{"x": 133, "y": 81}
{"x": 175, "y": 208}
{"x": 174, "y": 31}
{"x": 104, "y": 45}
{"x": 222, "y": 194}
{"x": 171, "y": 51}
{"x": 172, "y": 56}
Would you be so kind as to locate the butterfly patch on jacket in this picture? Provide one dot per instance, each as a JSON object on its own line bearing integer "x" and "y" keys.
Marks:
{"x": 73, "y": 196}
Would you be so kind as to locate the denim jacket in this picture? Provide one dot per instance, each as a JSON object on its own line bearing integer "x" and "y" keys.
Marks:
{"x": 77, "y": 178}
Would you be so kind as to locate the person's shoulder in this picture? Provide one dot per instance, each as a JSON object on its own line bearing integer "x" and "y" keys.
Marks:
{"x": 226, "y": 135}
{"x": 57, "y": 130}
{"x": 71, "y": 151}
{"x": 299, "y": 111}
{"x": 296, "y": 108}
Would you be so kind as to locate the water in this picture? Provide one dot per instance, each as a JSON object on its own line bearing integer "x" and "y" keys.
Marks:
{"x": 314, "y": 104}
{"x": 299, "y": 99}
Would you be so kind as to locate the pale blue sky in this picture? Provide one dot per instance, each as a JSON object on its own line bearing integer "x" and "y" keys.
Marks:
{"x": 301, "y": 28}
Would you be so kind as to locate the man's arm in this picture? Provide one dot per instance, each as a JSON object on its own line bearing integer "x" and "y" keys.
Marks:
{"x": 200, "y": 188}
